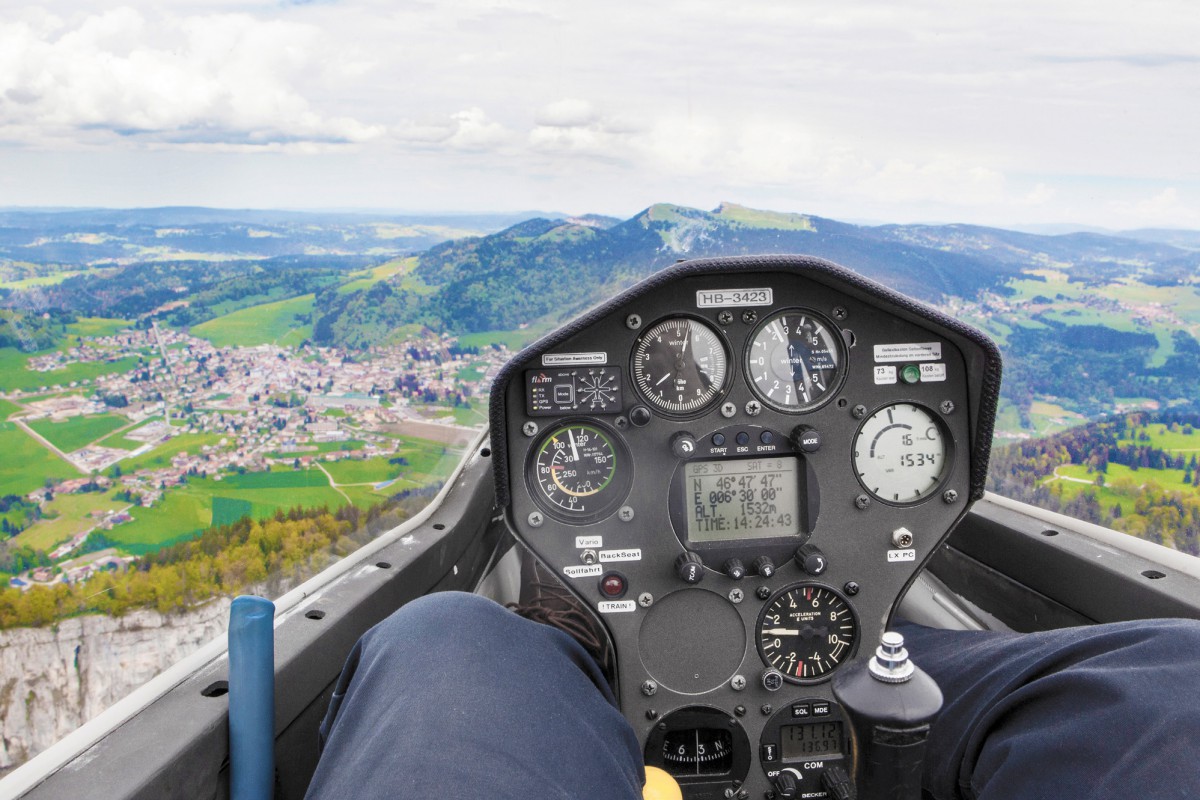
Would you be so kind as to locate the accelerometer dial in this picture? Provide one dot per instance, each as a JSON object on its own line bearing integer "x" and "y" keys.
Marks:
{"x": 806, "y": 631}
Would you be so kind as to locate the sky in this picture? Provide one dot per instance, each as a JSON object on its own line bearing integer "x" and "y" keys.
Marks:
{"x": 1020, "y": 112}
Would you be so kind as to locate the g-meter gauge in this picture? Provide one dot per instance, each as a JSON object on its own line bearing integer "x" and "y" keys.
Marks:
{"x": 579, "y": 472}
{"x": 901, "y": 453}
{"x": 806, "y": 631}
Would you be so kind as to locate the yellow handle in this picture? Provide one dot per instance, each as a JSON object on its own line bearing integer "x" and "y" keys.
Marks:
{"x": 660, "y": 786}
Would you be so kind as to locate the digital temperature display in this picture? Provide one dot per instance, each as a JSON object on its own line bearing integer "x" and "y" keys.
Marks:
{"x": 751, "y": 498}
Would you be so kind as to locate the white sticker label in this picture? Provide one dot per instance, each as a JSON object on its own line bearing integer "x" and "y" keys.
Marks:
{"x": 895, "y": 556}
{"x": 583, "y": 542}
{"x": 616, "y": 606}
{"x": 885, "y": 375}
{"x": 927, "y": 351}
{"x": 583, "y": 571}
{"x": 621, "y": 555}
{"x": 573, "y": 359}
{"x": 931, "y": 373}
{"x": 730, "y": 298}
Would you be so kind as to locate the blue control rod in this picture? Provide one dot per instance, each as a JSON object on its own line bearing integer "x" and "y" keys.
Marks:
{"x": 251, "y": 698}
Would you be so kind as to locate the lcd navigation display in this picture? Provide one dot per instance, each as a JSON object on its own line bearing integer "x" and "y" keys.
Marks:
{"x": 745, "y": 498}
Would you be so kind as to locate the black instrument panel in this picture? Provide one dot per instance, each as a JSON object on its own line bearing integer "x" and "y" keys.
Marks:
{"x": 740, "y": 465}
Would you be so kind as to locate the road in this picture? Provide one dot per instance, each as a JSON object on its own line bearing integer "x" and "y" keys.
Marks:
{"x": 45, "y": 443}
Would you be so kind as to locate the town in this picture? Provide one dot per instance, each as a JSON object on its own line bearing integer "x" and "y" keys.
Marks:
{"x": 190, "y": 411}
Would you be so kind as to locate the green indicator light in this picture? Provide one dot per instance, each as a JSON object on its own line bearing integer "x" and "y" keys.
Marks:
{"x": 911, "y": 373}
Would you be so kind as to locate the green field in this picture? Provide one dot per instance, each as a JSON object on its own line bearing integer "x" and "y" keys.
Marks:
{"x": 26, "y": 464}
{"x": 368, "y": 278}
{"x": 513, "y": 340}
{"x": 1165, "y": 439}
{"x": 119, "y": 441}
{"x": 16, "y": 377}
{"x": 7, "y": 409}
{"x": 471, "y": 373}
{"x": 76, "y": 432}
{"x": 367, "y": 470}
{"x": 160, "y": 457}
{"x": 228, "y": 510}
{"x": 73, "y": 515}
{"x": 181, "y": 514}
{"x": 269, "y": 323}
{"x": 97, "y": 326}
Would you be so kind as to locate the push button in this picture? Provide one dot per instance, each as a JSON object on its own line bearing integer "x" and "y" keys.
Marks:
{"x": 820, "y": 709}
{"x": 743, "y": 438}
{"x": 801, "y": 710}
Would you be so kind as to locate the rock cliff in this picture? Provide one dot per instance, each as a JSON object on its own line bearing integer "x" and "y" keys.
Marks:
{"x": 54, "y": 679}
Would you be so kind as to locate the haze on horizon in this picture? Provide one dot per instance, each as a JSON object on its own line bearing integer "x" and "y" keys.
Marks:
{"x": 1017, "y": 113}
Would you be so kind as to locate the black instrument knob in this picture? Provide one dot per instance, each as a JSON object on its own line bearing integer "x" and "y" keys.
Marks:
{"x": 806, "y": 439}
{"x": 689, "y": 567}
{"x": 735, "y": 569}
{"x": 786, "y": 785}
{"x": 683, "y": 445}
{"x": 764, "y": 566}
{"x": 811, "y": 560}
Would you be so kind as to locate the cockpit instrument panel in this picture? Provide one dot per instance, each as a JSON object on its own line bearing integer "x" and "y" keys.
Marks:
{"x": 740, "y": 465}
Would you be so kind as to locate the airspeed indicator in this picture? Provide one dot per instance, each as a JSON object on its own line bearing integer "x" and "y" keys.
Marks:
{"x": 579, "y": 472}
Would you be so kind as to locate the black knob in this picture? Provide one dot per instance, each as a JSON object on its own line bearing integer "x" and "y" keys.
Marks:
{"x": 811, "y": 560}
{"x": 735, "y": 569}
{"x": 689, "y": 567}
{"x": 786, "y": 785}
{"x": 683, "y": 445}
{"x": 764, "y": 566}
{"x": 806, "y": 439}
{"x": 772, "y": 679}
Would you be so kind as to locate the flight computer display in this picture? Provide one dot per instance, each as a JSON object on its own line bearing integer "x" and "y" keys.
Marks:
{"x": 750, "y": 498}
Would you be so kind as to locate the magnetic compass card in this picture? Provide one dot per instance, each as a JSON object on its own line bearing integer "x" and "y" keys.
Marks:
{"x": 592, "y": 390}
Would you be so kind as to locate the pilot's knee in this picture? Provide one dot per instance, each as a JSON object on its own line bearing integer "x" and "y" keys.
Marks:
{"x": 428, "y": 618}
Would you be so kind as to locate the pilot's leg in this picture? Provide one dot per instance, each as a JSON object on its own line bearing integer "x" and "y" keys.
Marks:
{"x": 1109, "y": 711}
{"x": 454, "y": 696}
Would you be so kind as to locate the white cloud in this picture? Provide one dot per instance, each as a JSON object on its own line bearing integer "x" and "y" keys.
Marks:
{"x": 217, "y": 79}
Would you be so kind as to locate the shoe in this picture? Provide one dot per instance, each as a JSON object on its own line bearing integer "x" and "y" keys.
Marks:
{"x": 546, "y": 600}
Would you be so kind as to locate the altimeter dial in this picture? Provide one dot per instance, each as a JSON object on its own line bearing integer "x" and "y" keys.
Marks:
{"x": 680, "y": 365}
{"x": 901, "y": 453}
{"x": 806, "y": 631}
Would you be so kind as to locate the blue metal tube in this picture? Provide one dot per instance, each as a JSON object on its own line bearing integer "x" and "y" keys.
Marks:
{"x": 251, "y": 698}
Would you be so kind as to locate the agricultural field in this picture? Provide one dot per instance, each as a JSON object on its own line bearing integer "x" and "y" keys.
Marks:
{"x": 97, "y": 326}
{"x": 26, "y": 464}
{"x": 15, "y": 376}
{"x": 368, "y": 278}
{"x": 77, "y": 432}
{"x": 1165, "y": 439}
{"x": 367, "y": 470}
{"x": 160, "y": 457}
{"x": 119, "y": 440}
{"x": 73, "y": 514}
{"x": 269, "y": 323}
{"x": 7, "y": 409}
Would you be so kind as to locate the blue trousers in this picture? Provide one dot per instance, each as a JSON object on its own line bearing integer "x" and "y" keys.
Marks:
{"x": 454, "y": 696}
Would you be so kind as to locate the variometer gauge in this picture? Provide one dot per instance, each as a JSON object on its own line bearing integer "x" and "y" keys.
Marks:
{"x": 806, "y": 631}
{"x": 680, "y": 366}
{"x": 579, "y": 472}
{"x": 795, "y": 360}
{"x": 901, "y": 453}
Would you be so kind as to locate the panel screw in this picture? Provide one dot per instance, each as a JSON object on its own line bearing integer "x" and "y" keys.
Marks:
{"x": 950, "y": 496}
{"x": 735, "y": 595}
{"x": 651, "y": 714}
{"x": 588, "y": 557}
{"x": 753, "y": 408}
{"x": 645, "y": 599}
{"x": 851, "y": 588}
{"x": 633, "y": 322}
{"x": 839, "y": 313}
{"x": 649, "y": 688}
{"x": 858, "y": 412}
{"x": 622, "y": 423}
{"x": 749, "y": 316}
{"x": 862, "y": 501}
{"x": 739, "y": 710}
{"x": 947, "y": 407}
{"x": 762, "y": 592}
{"x": 766, "y": 708}
{"x": 725, "y": 317}
{"x": 728, "y": 410}
{"x": 529, "y": 428}
{"x": 536, "y": 519}
{"x": 737, "y": 683}
{"x": 625, "y": 514}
